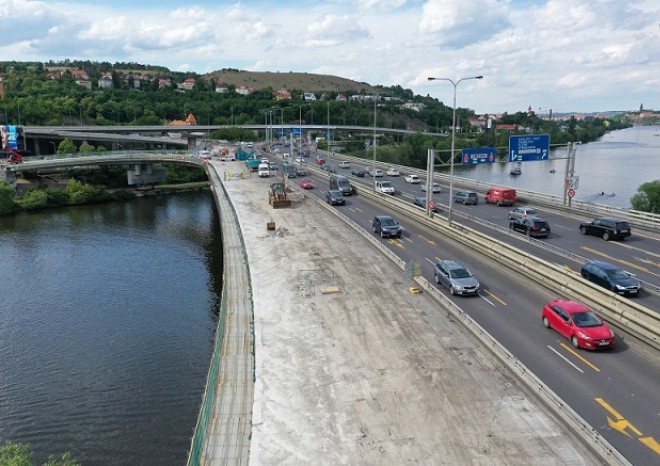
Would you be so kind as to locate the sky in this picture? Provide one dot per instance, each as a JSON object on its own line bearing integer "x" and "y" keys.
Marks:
{"x": 555, "y": 55}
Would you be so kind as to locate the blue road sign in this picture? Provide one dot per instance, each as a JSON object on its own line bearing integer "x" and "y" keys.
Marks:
{"x": 475, "y": 155}
{"x": 526, "y": 148}
{"x": 296, "y": 130}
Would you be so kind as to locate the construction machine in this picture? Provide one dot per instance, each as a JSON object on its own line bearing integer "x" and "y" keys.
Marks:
{"x": 277, "y": 196}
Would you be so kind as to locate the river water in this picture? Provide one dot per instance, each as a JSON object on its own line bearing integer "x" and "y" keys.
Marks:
{"x": 107, "y": 321}
{"x": 615, "y": 165}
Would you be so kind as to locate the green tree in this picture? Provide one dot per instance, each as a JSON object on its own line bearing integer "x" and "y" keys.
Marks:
{"x": 17, "y": 454}
{"x": 84, "y": 148}
{"x": 66, "y": 146}
{"x": 7, "y": 195}
{"x": 647, "y": 198}
{"x": 34, "y": 199}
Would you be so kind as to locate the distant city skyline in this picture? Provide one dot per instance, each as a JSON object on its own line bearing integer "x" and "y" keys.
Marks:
{"x": 559, "y": 55}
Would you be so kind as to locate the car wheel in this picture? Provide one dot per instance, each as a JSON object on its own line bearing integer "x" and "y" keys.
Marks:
{"x": 528, "y": 232}
{"x": 382, "y": 235}
{"x": 575, "y": 342}
{"x": 606, "y": 236}
{"x": 435, "y": 277}
{"x": 452, "y": 291}
{"x": 511, "y": 226}
{"x": 373, "y": 228}
{"x": 546, "y": 322}
{"x": 583, "y": 230}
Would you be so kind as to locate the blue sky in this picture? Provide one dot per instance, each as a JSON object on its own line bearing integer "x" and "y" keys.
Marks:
{"x": 559, "y": 55}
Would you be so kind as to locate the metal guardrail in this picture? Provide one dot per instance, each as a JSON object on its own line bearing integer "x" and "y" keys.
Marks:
{"x": 127, "y": 157}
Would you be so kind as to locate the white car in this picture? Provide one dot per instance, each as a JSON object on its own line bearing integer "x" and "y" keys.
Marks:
{"x": 412, "y": 179}
{"x": 435, "y": 187}
{"x": 377, "y": 173}
{"x": 392, "y": 172}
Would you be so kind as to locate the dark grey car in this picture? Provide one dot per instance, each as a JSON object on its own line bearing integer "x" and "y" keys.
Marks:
{"x": 456, "y": 277}
{"x": 386, "y": 226}
{"x": 611, "y": 277}
{"x": 334, "y": 197}
{"x": 466, "y": 197}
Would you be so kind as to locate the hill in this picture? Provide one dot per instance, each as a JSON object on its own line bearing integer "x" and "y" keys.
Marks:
{"x": 292, "y": 80}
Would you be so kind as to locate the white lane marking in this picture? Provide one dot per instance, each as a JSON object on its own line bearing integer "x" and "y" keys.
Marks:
{"x": 565, "y": 359}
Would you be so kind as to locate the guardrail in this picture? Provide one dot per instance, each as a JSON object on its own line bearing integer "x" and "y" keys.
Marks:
{"x": 123, "y": 158}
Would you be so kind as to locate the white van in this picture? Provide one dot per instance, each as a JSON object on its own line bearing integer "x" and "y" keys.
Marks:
{"x": 263, "y": 170}
{"x": 385, "y": 187}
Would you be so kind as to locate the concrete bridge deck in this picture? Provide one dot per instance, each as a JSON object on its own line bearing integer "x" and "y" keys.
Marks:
{"x": 350, "y": 368}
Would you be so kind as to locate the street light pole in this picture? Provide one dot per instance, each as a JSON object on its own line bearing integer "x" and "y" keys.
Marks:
{"x": 327, "y": 134}
{"x": 373, "y": 169}
{"x": 453, "y": 142}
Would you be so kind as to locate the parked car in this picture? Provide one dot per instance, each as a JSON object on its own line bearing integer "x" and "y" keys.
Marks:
{"x": 359, "y": 172}
{"x": 456, "y": 277}
{"x": 384, "y": 187}
{"x": 611, "y": 277}
{"x": 532, "y": 226}
{"x": 421, "y": 202}
{"x": 522, "y": 212}
{"x": 385, "y": 226}
{"x": 466, "y": 197}
{"x": 435, "y": 187}
{"x": 501, "y": 196}
{"x": 306, "y": 183}
{"x": 608, "y": 228}
{"x": 578, "y": 323}
{"x": 376, "y": 173}
{"x": 392, "y": 172}
{"x": 335, "y": 197}
{"x": 412, "y": 179}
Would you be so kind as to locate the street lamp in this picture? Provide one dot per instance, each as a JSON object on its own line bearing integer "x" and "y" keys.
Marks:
{"x": 327, "y": 134}
{"x": 453, "y": 141}
{"x": 373, "y": 170}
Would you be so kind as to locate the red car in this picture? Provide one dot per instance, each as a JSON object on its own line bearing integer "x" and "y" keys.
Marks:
{"x": 320, "y": 162}
{"x": 579, "y": 324}
{"x": 306, "y": 183}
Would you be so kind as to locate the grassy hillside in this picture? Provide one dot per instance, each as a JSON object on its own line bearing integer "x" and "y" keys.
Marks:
{"x": 304, "y": 81}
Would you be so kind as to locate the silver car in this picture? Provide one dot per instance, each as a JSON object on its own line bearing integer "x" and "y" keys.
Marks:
{"x": 522, "y": 212}
{"x": 456, "y": 277}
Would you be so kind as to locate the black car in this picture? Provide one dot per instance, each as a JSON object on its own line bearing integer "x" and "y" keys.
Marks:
{"x": 300, "y": 171}
{"x": 335, "y": 197}
{"x": 611, "y": 277}
{"x": 607, "y": 228}
{"x": 386, "y": 226}
{"x": 532, "y": 226}
{"x": 358, "y": 171}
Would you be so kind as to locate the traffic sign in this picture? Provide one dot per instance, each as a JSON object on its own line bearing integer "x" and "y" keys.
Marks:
{"x": 475, "y": 155}
{"x": 526, "y": 148}
{"x": 571, "y": 193}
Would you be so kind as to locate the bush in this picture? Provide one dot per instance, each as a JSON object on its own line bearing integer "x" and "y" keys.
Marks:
{"x": 35, "y": 199}
{"x": 647, "y": 198}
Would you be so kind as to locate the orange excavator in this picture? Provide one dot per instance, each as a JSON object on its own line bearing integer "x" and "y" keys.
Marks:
{"x": 11, "y": 156}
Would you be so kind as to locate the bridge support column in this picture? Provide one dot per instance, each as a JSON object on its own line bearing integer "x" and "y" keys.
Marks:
{"x": 145, "y": 173}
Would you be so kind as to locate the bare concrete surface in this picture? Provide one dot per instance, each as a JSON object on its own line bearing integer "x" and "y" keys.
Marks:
{"x": 353, "y": 369}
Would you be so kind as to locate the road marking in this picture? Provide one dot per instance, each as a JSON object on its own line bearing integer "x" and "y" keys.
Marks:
{"x": 495, "y": 297}
{"x": 565, "y": 359}
{"x": 407, "y": 239}
{"x": 580, "y": 357}
{"x": 486, "y": 299}
{"x": 621, "y": 424}
{"x": 396, "y": 242}
{"x": 621, "y": 261}
{"x": 430, "y": 241}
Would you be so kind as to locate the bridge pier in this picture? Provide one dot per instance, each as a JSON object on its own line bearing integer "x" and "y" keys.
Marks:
{"x": 145, "y": 173}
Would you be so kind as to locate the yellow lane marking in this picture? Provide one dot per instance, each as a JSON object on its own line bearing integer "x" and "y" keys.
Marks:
{"x": 621, "y": 261}
{"x": 621, "y": 424}
{"x": 580, "y": 357}
{"x": 395, "y": 243}
{"x": 430, "y": 241}
{"x": 495, "y": 298}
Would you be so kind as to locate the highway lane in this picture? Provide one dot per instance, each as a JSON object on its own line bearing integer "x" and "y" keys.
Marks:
{"x": 509, "y": 308}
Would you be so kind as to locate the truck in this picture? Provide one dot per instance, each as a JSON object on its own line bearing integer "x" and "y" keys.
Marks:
{"x": 277, "y": 196}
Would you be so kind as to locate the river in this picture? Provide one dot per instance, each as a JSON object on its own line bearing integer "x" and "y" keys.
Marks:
{"x": 106, "y": 327}
{"x": 616, "y": 165}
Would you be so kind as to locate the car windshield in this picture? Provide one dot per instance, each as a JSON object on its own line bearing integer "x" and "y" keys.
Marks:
{"x": 618, "y": 274}
{"x": 388, "y": 222}
{"x": 460, "y": 273}
{"x": 586, "y": 319}
{"x": 386, "y": 184}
